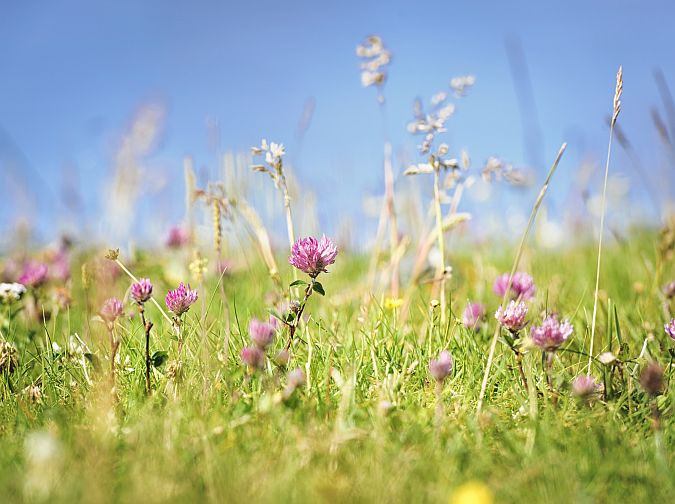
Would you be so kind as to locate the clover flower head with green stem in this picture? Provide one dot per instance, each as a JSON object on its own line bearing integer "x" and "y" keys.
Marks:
{"x": 549, "y": 336}
{"x": 179, "y": 300}
{"x": 311, "y": 256}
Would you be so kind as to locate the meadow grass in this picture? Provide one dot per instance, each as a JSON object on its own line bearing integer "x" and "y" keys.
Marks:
{"x": 362, "y": 428}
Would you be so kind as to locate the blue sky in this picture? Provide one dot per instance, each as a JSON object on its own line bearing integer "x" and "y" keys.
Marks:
{"x": 73, "y": 74}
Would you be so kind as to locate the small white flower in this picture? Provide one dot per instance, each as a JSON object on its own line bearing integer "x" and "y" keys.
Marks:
{"x": 277, "y": 150}
{"x": 11, "y": 292}
{"x": 460, "y": 84}
{"x": 438, "y": 98}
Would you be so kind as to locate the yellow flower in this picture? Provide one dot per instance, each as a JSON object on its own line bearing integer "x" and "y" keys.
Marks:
{"x": 393, "y": 303}
{"x": 472, "y": 492}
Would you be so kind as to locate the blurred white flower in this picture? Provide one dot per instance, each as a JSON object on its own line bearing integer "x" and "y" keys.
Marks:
{"x": 277, "y": 150}
{"x": 460, "y": 84}
{"x": 11, "y": 292}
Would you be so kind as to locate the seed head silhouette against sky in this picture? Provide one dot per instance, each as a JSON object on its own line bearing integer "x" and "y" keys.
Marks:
{"x": 223, "y": 75}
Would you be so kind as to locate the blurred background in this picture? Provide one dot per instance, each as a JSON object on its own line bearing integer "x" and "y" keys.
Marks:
{"x": 102, "y": 104}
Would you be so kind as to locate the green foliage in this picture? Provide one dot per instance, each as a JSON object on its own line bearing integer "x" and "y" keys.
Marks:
{"x": 362, "y": 428}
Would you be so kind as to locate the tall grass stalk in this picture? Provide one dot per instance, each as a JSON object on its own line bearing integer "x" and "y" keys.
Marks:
{"x": 615, "y": 114}
{"x": 514, "y": 267}
{"x": 441, "y": 239}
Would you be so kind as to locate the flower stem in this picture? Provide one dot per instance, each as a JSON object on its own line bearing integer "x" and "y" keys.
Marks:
{"x": 441, "y": 240}
{"x": 147, "y": 326}
{"x": 294, "y": 326}
{"x": 439, "y": 404}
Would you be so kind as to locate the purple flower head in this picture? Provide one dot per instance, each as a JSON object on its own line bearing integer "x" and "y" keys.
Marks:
{"x": 141, "y": 291}
{"x": 59, "y": 267}
{"x": 312, "y": 256}
{"x": 551, "y": 333}
{"x": 111, "y": 310}
{"x": 180, "y": 299}
{"x": 262, "y": 333}
{"x": 670, "y": 328}
{"x": 669, "y": 290}
{"x": 473, "y": 316}
{"x": 585, "y": 387}
{"x": 296, "y": 378}
{"x": 440, "y": 368}
{"x": 513, "y": 316}
{"x": 34, "y": 274}
{"x": 177, "y": 237}
{"x": 522, "y": 286}
{"x": 253, "y": 357}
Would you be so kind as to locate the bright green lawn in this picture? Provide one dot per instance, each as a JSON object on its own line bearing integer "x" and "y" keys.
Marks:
{"x": 219, "y": 435}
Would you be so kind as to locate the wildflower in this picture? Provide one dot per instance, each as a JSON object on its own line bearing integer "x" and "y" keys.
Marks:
{"x": 141, "y": 291}
{"x": 473, "y": 315}
{"x": 585, "y": 387}
{"x": 651, "y": 379}
{"x": 179, "y": 300}
{"x": 393, "y": 303}
{"x": 472, "y": 492}
{"x": 177, "y": 237}
{"x": 262, "y": 333}
{"x": 522, "y": 286}
{"x": 669, "y": 290}
{"x": 9, "y": 360}
{"x": 551, "y": 334}
{"x": 276, "y": 152}
{"x": 10, "y": 292}
{"x": 670, "y": 328}
{"x": 253, "y": 357}
{"x": 296, "y": 379}
{"x": 59, "y": 267}
{"x": 375, "y": 58}
{"x": 440, "y": 368}
{"x": 460, "y": 84}
{"x": 111, "y": 310}
{"x": 34, "y": 274}
{"x": 312, "y": 256}
{"x": 513, "y": 316}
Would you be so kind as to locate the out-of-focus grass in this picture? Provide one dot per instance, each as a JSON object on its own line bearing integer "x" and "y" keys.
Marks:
{"x": 219, "y": 434}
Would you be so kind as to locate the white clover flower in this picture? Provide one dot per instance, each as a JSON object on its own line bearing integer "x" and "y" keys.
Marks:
{"x": 10, "y": 292}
